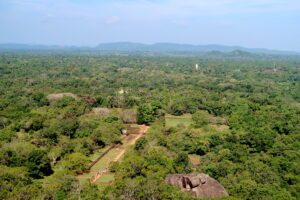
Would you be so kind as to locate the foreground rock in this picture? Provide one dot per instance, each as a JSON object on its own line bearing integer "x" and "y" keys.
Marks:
{"x": 199, "y": 185}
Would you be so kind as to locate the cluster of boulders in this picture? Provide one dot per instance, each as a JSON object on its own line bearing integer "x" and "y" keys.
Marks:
{"x": 199, "y": 185}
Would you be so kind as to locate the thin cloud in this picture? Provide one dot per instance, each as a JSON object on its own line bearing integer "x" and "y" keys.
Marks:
{"x": 113, "y": 20}
{"x": 156, "y": 9}
{"x": 179, "y": 22}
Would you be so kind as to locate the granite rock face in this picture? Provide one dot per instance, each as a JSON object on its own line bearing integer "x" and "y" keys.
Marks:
{"x": 199, "y": 185}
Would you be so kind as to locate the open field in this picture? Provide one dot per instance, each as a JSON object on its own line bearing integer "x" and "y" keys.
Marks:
{"x": 98, "y": 153}
{"x": 173, "y": 121}
{"x": 103, "y": 163}
{"x": 105, "y": 178}
{"x": 99, "y": 172}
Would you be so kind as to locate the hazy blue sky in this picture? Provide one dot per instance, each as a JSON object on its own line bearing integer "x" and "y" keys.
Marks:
{"x": 252, "y": 23}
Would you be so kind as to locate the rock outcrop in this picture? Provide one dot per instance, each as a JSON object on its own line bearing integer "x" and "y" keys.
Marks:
{"x": 199, "y": 185}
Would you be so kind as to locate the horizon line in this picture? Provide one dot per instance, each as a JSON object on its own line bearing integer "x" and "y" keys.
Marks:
{"x": 148, "y": 44}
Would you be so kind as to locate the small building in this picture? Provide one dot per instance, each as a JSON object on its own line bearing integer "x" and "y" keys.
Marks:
{"x": 124, "y": 131}
{"x": 122, "y": 91}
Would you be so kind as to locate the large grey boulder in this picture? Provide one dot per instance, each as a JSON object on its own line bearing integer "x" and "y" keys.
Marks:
{"x": 199, "y": 185}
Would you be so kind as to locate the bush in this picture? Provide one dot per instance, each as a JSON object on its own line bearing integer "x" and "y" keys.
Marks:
{"x": 200, "y": 118}
{"x": 111, "y": 119}
{"x": 38, "y": 164}
{"x": 140, "y": 144}
{"x": 77, "y": 163}
{"x": 7, "y": 135}
{"x": 65, "y": 101}
{"x": 146, "y": 114}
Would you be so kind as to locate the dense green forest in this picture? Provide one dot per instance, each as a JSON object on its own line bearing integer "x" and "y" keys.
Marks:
{"x": 240, "y": 121}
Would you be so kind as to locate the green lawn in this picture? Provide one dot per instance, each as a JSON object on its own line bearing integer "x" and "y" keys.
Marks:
{"x": 105, "y": 178}
{"x": 104, "y": 162}
{"x": 98, "y": 153}
{"x": 47, "y": 180}
{"x": 173, "y": 121}
{"x": 85, "y": 177}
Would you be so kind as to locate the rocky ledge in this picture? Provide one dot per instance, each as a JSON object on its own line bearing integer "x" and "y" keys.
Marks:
{"x": 199, "y": 185}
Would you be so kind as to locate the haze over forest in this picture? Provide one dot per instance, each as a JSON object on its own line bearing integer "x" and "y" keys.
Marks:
{"x": 271, "y": 24}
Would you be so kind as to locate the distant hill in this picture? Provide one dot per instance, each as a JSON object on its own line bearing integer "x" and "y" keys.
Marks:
{"x": 172, "y": 47}
{"x": 155, "y": 48}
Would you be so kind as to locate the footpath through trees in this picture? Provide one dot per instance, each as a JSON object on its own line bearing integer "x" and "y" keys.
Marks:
{"x": 99, "y": 169}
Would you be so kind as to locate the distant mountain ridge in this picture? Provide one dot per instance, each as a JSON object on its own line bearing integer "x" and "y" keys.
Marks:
{"x": 157, "y": 47}
{"x": 129, "y": 46}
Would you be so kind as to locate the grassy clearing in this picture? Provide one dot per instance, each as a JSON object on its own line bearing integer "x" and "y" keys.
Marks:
{"x": 98, "y": 153}
{"x": 47, "y": 180}
{"x": 105, "y": 178}
{"x": 104, "y": 162}
{"x": 85, "y": 177}
{"x": 221, "y": 128}
{"x": 133, "y": 129}
{"x": 174, "y": 121}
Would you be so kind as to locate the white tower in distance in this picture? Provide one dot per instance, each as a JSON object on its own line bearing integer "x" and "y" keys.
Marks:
{"x": 197, "y": 66}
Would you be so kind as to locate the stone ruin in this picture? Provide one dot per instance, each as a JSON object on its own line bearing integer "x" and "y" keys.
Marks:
{"x": 199, "y": 185}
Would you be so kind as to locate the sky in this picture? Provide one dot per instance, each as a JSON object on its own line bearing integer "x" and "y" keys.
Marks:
{"x": 273, "y": 24}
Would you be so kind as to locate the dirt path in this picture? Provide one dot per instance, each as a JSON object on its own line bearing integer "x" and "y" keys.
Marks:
{"x": 119, "y": 156}
{"x": 115, "y": 154}
{"x": 143, "y": 130}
